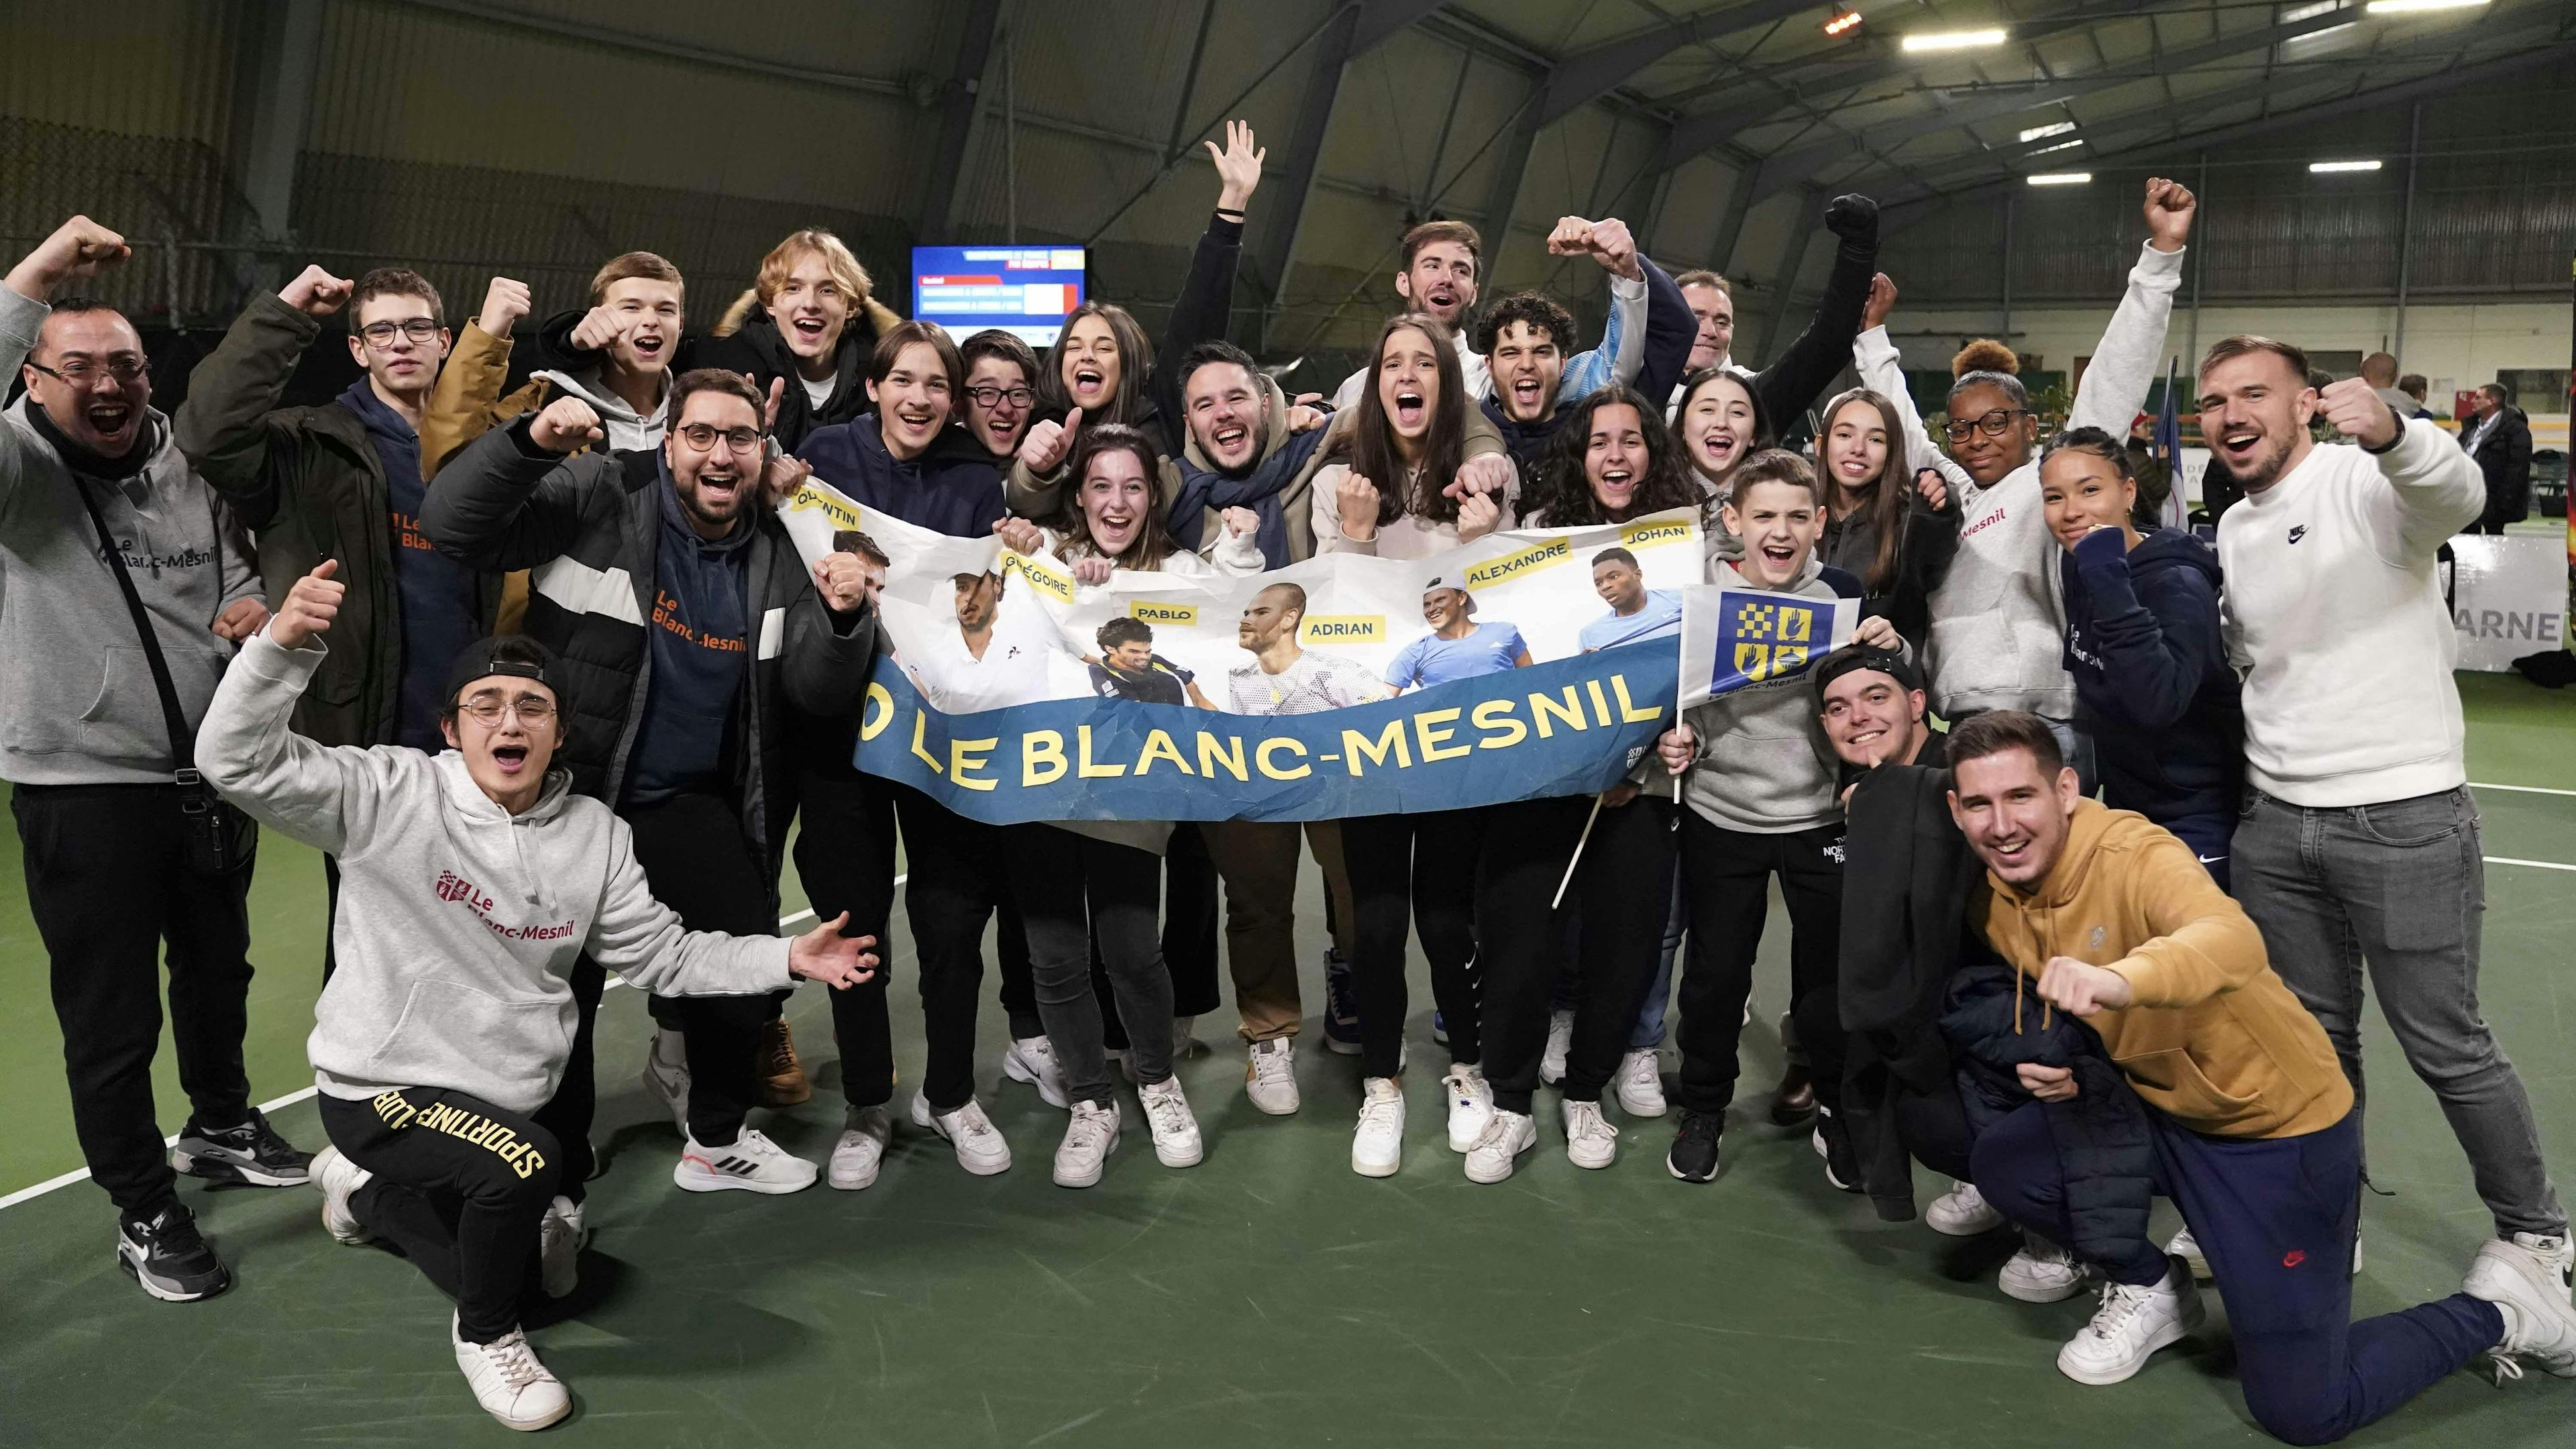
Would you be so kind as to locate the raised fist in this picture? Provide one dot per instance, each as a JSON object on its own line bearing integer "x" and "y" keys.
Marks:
{"x": 1240, "y": 522}
{"x": 315, "y": 292}
{"x": 2357, "y": 412}
{"x": 1478, "y": 514}
{"x": 2169, "y": 209}
{"x": 598, "y": 328}
{"x": 1882, "y": 300}
{"x": 1355, "y": 503}
{"x": 504, "y": 303}
{"x": 1854, "y": 218}
{"x": 567, "y": 425}
{"x": 79, "y": 247}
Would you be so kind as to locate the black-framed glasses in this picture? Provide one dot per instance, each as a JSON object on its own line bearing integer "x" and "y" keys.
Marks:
{"x": 1992, "y": 424}
{"x": 84, "y": 374}
{"x": 990, "y": 395}
{"x": 533, "y": 712}
{"x": 418, "y": 329}
{"x": 703, "y": 437}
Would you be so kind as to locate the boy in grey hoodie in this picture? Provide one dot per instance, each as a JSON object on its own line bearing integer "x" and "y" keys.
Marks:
{"x": 471, "y": 880}
{"x": 1761, "y": 785}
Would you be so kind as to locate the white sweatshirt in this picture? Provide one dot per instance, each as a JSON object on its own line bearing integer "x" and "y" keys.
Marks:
{"x": 1998, "y": 625}
{"x": 2334, "y": 612}
{"x": 1410, "y": 536}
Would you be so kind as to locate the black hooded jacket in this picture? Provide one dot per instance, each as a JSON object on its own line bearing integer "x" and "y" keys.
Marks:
{"x": 2151, "y": 673}
{"x": 759, "y": 350}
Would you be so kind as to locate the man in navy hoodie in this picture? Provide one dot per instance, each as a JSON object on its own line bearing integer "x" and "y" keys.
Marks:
{"x": 2142, "y": 640}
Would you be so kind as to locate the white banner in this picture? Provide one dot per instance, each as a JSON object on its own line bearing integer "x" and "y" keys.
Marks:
{"x": 2508, "y": 598}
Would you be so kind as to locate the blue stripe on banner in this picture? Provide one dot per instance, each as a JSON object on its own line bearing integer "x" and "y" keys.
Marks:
{"x": 1570, "y": 727}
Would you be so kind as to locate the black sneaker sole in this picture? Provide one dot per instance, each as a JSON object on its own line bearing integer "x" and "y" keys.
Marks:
{"x": 211, "y": 1164}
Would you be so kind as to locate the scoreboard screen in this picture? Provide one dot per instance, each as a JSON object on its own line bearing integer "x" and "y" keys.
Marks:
{"x": 1022, "y": 290}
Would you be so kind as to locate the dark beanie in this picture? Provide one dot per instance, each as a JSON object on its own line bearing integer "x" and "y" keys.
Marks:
{"x": 1897, "y": 664}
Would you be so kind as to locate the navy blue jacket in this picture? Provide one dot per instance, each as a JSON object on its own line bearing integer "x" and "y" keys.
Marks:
{"x": 2151, "y": 674}
{"x": 952, "y": 488}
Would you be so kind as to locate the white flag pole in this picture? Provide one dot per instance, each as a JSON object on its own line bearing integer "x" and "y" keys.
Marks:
{"x": 1578, "y": 853}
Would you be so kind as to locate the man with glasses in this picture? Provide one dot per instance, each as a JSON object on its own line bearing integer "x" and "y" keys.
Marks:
{"x": 687, "y": 626}
{"x": 343, "y": 481}
{"x": 86, "y": 738}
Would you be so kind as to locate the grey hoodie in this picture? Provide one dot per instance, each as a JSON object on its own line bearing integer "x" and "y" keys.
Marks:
{"x": 628, "y": 431}
{"x": 77, "y": 706}
{"x": 1765, "y": 766}
{"x": 458, "y": 922}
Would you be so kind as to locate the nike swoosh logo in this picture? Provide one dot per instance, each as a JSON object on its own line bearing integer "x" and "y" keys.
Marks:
{"x": 2210, "y": 859}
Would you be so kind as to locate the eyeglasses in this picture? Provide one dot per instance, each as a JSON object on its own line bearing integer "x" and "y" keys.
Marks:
{"x": 1992, "y": 424}
{"x": 84, "y": 374}
{"x": 418, "y": 329}
{"x": 703, "y": 437}
{"x": 989, "y": 395}
{"x": 533, "y": 712}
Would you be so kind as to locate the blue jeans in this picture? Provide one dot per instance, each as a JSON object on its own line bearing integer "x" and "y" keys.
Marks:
{"x": 2276, "y": 1220}
{"x": 1650, "y": 1021}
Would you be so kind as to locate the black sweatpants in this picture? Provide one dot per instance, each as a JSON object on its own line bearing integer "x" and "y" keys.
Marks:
{"x": 694, "y": 856}
{"x": 845, "y": 851}
{"x": 1520, "y": 947}
{"x": 1618, "y": 917}
{"x": 107, "y": 886}
{"x": 1728, "y": 874}
{"x": 1418, "y": 870}
{"x": 576, "y": 1100}
{"x": 460, "y": 1186}
{"x": 1189, "y": 891}
{"x": 1071, "y": 889}
{"x": 956, "y": 884}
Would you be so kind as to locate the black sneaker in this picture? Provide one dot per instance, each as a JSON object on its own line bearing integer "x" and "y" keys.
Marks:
{"x": 1794, "y": 1101}
{"x": 1341, "y": 1007}
{"x": 1832, "y": 1141}
{"x": 165, "y": 1254}
{"x": 1694, "y": 1154}
{"x": 251, "y": 1153}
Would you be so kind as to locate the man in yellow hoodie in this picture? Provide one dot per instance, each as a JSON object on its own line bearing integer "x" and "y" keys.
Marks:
{"x": 2114, "y": 920}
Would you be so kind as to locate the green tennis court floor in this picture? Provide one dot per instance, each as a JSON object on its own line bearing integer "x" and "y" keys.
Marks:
{"x": 1267, "y": 1295}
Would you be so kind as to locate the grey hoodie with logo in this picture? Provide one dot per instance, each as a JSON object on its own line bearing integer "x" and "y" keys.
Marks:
{"x": 459, "y": 923}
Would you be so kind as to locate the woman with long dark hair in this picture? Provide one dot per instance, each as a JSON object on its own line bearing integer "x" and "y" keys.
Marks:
{"x": 1876, "y": 528}
{"x": 1391, "y": 485}
{"x": 1612, "y": 460}
{"x": 1720, "y": 421}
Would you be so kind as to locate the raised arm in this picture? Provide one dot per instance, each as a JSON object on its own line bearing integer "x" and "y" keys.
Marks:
{"x": 1882, "y": 371}
{"x": 1669, "y": 329}
{"x": 2435, "y": 489}
{"x": 79, "y": 247}
{"x": 467, "y": 401}
{"x": 1623, "y": 336}
{"x": 2114, "y": 389}
{"x": 512, "y": 499}
{"x": 1205, "y": 306}
{"x": 228, "y": 427}
{"x": 1809, "y": 364}
{"x": 321, "y": 795}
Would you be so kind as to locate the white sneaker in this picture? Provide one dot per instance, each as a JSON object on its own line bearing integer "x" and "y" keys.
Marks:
{"x": 752, "y": 1163}
{"x": 560, "y": 1235}
{"x": 2558, "y": 1251}
{"x": 1167, "y": 1116}
{"x": 1471, "y": 1105}
{"x": 1377, "y": 1148}
{"x": 1088, "y": 1140}
{"x": 2131, "y": 1324}
{"x": 339, "y": 1178}
{"x": 1640, "y": 1083}
{"x": 980, "y": 1147}
{"x": 861, "y": 1150}
{"x": 2042, "y": 1272}
{"x": 2186, "y": 1247}
{"x": 1496, "y": 1151}
{"x": 1962, "y": 1212}
{"x": 666, "y": 1077}
{"x": 2523, "y": 1278}
{"x": 1031, "y": 1059}
{"x": 1590, "y": 1141}
{"x": 1270, "y": 1076}
{"x": 508, "y": 1381}
{"x": 1560, "y": 1040}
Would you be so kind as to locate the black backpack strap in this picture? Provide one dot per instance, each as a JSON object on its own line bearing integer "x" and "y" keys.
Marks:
{"x": 183, "y": 739}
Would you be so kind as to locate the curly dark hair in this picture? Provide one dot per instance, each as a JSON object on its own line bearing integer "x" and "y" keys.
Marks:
{"x": 1537, "y": 309}
{"x": 1564, "y": 488}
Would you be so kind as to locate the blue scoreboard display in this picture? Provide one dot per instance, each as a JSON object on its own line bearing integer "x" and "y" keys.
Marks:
{"x": 1022, "y": 290}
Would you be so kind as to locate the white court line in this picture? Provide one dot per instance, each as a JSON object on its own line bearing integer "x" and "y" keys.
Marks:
{"x": 2521, "y": 789}
{"x": 2534, "y": 864}
{"x": 81, "y": 1174}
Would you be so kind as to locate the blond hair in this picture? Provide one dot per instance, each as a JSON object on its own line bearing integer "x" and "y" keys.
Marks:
{"x": 838, "y": 260}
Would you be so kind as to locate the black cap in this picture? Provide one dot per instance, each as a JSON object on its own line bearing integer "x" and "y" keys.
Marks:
{"x": 516, "y": 655}
{"x": 1897, "y": 664}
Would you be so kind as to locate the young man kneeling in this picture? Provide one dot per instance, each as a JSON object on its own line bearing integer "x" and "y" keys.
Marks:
{"x": 471, "y": 880}
{"x": 2254, "y": 1131}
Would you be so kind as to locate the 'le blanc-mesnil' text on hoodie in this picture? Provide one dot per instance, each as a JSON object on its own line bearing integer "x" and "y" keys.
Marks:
{"x": 1998, "y": 625}
{"x": 458, "y": 922}
{"x": 2334, "y": 611}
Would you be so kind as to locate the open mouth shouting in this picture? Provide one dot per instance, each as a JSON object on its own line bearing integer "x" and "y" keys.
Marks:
{"x": 112, "y": 420}
{"x": 1114, "y": 526}
{"x": 2237, "y": 443}
{"x": 1441, "y": 300}
{"x": 650, "y": 348}
{"x": 510, "y": 759}
{"x": 1411, "y": 415}
{"x": 1617, "y": 486}
{"x": 805, "y": 335}
{"x": 1230, "y": 441}
{"x": 719, "y": 490}
{"x": 1528, "y": 395}
{"x": 1720, "y": 449}
{"x": 1090, "y": 384}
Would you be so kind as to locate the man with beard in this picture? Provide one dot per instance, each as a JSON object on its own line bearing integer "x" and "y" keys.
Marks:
{"x": 1248, "y": 448}
{"x": 2358, "y": 843}
{"x": 86, "y": 466}
{"x": 687, "y": 625}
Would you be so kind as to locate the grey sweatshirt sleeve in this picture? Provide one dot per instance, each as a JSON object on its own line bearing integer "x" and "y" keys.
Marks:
{"x": 2114, "y": 389}
{"x": 322, "y": 796}
{"x": 643, "y": 941}
{"x": 21, "y": 318}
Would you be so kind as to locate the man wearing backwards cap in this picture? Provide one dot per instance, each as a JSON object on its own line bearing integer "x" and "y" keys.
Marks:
{"x": 1457, "y": 647}
{"x": 1872, "y": 702}
{"x": 471, "y": 881}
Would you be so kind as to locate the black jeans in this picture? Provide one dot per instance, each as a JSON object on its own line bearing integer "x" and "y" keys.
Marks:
{"x": 1189, "y": 938}
{"x": 955, "y": 886}
{"x": 1619, "y": 918}
{"x": 576, "y": 1099}
{"x": 460, "y": 1186}
{"x": 1417, "y": 869}
{"x": 699, "y": 864}
{"x": 845, "y": 853}
{"x": 1728, "y": 873}
{"x": 1070, "y": 886}
{"x": 107, "y": 886}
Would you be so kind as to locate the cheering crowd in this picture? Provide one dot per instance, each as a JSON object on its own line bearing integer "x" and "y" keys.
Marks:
{"x": 541, "y": 675}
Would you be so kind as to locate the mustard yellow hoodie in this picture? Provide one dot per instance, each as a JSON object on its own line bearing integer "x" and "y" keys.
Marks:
{"x": 2213, "y": 1038}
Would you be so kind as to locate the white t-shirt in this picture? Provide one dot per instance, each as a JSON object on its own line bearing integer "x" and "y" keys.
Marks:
{"x": 817, "y": 393}
{"x": 1312, "y": 683}
{"x": 1014, "y": 669}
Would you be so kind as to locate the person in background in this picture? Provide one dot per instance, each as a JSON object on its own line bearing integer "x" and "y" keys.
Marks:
{"x": 2379, "y": 369}
{"x": 87, "y": 463}
{"x": 1800, "y": 372}
{"x": 2256, "y": 1136}
{"x": 803, "y": 333}
{"x": 2357, "y": 845}
{"x": 2415, "y": 387}
{"x": 2501, "y": 442}
{"x": 2152, "y": 681}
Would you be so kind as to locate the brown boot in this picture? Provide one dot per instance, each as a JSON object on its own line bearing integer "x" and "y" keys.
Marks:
{"x": 782, "y": 1077}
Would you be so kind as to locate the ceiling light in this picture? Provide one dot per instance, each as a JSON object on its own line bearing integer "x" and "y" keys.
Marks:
{"x": 2322, "y": 167}
{"x": 2060, "y": 146}
{"x": 2403, "y": 7}
{"x": 2053, "y": 128}
{"x": 1954, "y": 39}
{"x": 2061, "y": 178}
{"x": 1842, "y": 22}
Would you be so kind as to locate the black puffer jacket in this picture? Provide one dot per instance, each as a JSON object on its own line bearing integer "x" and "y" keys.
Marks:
{"x": 758, "y": 350}
{"x": 588, "y": 528}
{"x": 2105, "y": 1147}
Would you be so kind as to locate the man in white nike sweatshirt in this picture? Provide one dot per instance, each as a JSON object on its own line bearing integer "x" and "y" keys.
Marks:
{"x": 1998, "y": 637}
{"x": 2358, "y": 841}
{"x": 470, "y": 882}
